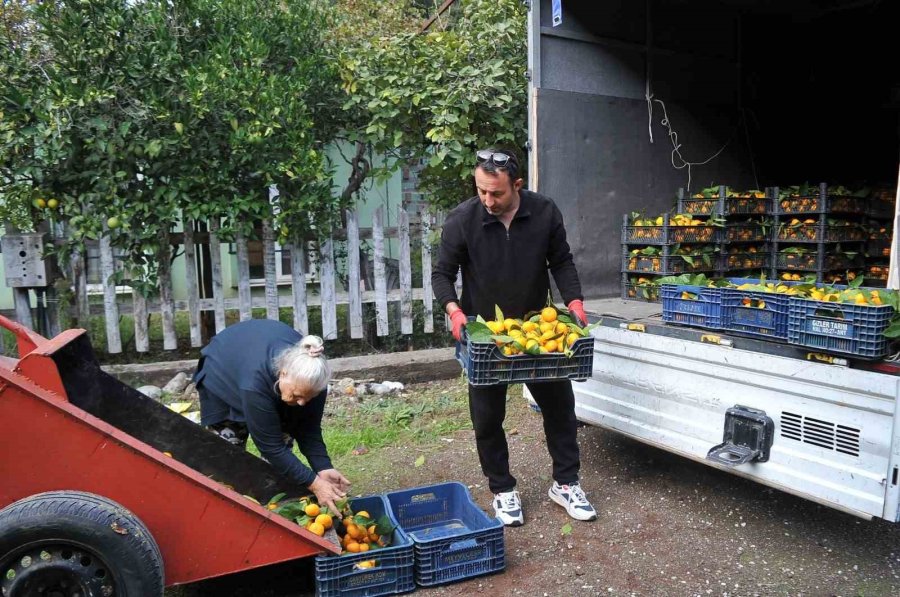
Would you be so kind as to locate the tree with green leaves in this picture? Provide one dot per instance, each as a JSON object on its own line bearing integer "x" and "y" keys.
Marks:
{"x": 443, "y": 94}
{"x": 132, "y": 115}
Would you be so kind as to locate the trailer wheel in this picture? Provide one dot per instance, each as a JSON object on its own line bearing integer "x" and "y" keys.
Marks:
{"x": 71, "y": 543}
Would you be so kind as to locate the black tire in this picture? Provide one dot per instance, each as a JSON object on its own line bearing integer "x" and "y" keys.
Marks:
{"x": 71, "y": 543}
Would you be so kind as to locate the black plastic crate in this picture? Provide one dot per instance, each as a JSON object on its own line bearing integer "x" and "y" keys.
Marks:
{"x": 746, "y": 232}
{"x": 810, "y": 261}
{"x": 748, "y": 205}
{"x": 486, "y": 365}
{"x": 805, "y": 233}
{"x": 668, "y": 264}
{"x": 639, "y": 292}
{"x": 640, "y": 287}
{"x": 877, "y": 271}
{"x": 815, "y": 204}
{"x": 882, "y": 210}
{"x": 667, "y": 235}
{"x": 878, "y": 248}
{"x": 696, "y": 206}
{"x": 722, "y": 204}
{"x": 880, "y": 231}
{"x": 393, "y": 569}
{"x": 797, "y": 261}
{"x": 454, "y": 539}
{"x": 853, "y": 330}
{"x": 755, "y": 313}
{"x": 735, "y": 259}
{"x": 698, "y": 306}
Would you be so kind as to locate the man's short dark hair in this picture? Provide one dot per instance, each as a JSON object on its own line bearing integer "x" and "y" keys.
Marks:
{"x": 511, "y": 167}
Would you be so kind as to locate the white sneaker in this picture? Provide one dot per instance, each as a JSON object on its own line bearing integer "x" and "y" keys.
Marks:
{"x": 231, "y": 436}
{"x": 508, "y": 508}
{"x": 572, "y": 498}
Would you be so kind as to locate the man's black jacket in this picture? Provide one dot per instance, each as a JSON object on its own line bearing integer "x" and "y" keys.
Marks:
{"x": 504, "y": 267}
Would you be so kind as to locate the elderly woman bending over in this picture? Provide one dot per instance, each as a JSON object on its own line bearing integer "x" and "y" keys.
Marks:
{"x": 260, "y": 377}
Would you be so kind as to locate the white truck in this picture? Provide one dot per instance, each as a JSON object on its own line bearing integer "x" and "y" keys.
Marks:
{"x": 602, "y": 75}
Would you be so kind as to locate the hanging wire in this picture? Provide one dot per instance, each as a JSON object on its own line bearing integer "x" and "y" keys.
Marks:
{"x": 673, "y": 137}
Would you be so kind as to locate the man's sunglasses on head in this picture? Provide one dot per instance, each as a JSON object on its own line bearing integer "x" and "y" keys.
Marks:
{"x": 498, "y": 158}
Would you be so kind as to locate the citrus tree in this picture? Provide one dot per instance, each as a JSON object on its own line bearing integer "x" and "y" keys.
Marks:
{"x": 130, "y": 115}
{"x": 443, "y": 94}
{"x": 261, "y": 103}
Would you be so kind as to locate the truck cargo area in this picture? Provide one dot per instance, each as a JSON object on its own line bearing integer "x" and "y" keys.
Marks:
{"x": 752, "y": 94}
{"x": 631, "y": 102}
{"x": 833, "y": 423}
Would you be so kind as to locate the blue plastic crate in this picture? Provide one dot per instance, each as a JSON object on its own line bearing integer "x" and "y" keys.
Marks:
{"x": 769, "y": 322}
{"x": 486, "y": 365}
{"x": 341, "y": 576}
{"x": 454, "y": 539}
{"x": 705, "y": 311}
{"x": 854, "y": 330}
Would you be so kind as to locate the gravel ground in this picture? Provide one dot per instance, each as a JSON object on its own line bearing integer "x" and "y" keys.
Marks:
{"x": 667, "y": 526}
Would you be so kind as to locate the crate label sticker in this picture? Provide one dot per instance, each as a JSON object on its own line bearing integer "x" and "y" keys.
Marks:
{"x": 423, "y": 497}
{"x": 692, "y": 307}
{"x": 468, "y": 555}
{"x": 373, "y": 578}
{"x": 759, "y": 317}
{"x": 830, "y": 327}
{"x": 556, "y": 7}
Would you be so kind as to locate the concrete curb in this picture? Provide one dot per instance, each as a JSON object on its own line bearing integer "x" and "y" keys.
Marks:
{"x": 406, "y": 367}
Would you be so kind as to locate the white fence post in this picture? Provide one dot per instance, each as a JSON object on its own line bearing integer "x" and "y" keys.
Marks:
{"x": 110, "y": 308}
{"x": 381, "y": 309}
{"x": 193, "y": 294}
{"x": 355, "y": 300}
{"x": 243, "y": 262}
{"x": 215, "y": 258}
{"x": 406, "y": 322}
{"x": 326, "y": 283}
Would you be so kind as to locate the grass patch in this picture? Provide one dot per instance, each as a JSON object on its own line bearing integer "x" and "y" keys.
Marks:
{"x": 418, "y": 416}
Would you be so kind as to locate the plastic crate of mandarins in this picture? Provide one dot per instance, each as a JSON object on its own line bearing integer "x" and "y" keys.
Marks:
{"x": 383, "y": 571}
{"x": 757, "y": 309}
{"x": 855, "y": 330}
{"x": 687, "y": 304}
{"x": 506, "y": 351}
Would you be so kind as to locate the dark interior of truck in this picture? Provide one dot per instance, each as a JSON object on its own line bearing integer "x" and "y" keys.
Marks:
{"x": 829, "y": 81}
{"x": 753, "y": 93}
{"x": 819, "y": 80}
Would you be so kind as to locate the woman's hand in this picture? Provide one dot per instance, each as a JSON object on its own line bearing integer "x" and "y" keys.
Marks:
{"x": 327, "y": 493}
{"x": 335, "y": 477}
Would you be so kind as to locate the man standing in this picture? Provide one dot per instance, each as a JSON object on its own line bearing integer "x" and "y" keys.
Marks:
{"x": 505, "y": 240}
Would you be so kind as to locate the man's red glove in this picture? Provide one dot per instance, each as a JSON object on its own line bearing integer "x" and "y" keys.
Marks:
{"x": 458, "y": 320}
{"x": 576, "y": 308}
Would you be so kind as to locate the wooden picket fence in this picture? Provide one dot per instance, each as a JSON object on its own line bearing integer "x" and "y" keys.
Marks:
{"x": 328, "y": 297}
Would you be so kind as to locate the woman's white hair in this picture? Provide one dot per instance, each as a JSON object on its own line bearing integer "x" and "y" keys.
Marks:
{"x": 298, "y": 365}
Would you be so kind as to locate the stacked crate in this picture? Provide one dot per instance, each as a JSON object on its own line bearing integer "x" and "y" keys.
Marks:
{"x": 661, "y": 246}
{"x": 880, "y": 223}
{"x": 818, "y": 234}
{"x": 743, "y": 250}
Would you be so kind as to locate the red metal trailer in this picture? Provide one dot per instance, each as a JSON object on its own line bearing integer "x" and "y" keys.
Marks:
{"x": 93, "y": 504}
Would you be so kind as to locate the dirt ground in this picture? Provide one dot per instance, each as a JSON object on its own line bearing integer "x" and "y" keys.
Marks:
{"x": 667, "y": 526}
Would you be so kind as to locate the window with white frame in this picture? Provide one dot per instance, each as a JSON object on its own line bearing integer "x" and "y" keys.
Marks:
{"x": 256, "y": 256}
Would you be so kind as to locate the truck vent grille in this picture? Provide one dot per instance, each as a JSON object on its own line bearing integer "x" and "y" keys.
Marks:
{"x": 817, "y": 432}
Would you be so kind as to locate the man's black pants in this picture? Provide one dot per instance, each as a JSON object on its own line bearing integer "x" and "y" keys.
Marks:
{"x": 487, "y": 406}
